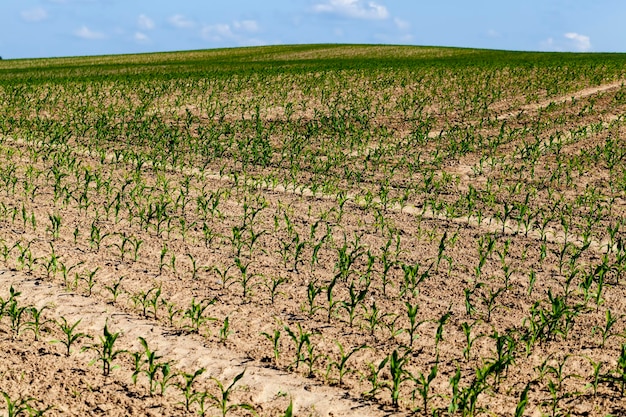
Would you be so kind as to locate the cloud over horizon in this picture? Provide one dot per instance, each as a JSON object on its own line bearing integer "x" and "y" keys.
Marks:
{"x": 581, "y": 43}
{"x": 141, "y": 37}
{"x": 223, "y": 31}
{"x": 40, "y": 28}
{"x": 181, "y": 22}
{"x": 401, "y": 24}
{"x": 570, "y": 42}
{"x": 145, "y": 23}
{"x": 355, "y": 9}
{"x": 34, "y": 15}
{"x": 246, "y": 25}
{"x": 85, "y": 33}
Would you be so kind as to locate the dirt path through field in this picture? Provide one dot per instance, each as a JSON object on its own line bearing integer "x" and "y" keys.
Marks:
{"x": 188, "y": 351}
{"x": 533, "y": 107}
{"x": 586, "y": 92}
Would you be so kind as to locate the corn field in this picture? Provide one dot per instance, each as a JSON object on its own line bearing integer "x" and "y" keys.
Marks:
{"x": 313, "y": 230}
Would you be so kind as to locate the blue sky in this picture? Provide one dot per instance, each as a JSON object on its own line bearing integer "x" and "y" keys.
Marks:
{"x": 45, "y": 28}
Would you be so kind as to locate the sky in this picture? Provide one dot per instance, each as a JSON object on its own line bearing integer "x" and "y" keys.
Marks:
{"x": 51, "y": 28}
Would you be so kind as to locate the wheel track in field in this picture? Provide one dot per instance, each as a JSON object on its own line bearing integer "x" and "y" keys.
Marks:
{"x": 533, "y": 107}
{"x": 188, "y": 351}
{"x": 586, "y": 92}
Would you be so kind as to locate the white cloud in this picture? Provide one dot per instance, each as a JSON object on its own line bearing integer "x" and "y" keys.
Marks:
{"x": 246, "y": 25}
{"x": 401, "y": 24}
{"x": 216, "y": 33}
{"x": 493, "y": 33}
{"x": 254, "y": 42}
{"x": 141, "y": 37}
{"x": 355, "y": 9}
{"x": 238, "y": 30}
{"x": 547, "y": 43}
{"x": 34, "y": 15}
{"x": 580, "y": 42}
{"x": 144, "y": 22}
{"x": 85, "y": 33}
{"x": 570, "y": 41}
{"x": 181, "y": 22}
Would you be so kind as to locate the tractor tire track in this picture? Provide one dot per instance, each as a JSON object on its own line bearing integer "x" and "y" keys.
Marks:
{"x": 188, "y": 351}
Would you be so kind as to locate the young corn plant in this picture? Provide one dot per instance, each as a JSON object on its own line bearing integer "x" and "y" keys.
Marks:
{"x": 356, "y": 299}
{"x": 97, "y": 236}
{"x": 275, "y": 340}
{"x": 123, "y": 246}
{"x": 299, "y": 339}
{"x": 195, "y": 314}
{"x": 51, "y": 266}
{"x": 617, "y": 376}
{"x": 22, "y": 406}
{"x": 465, "y": 399}
{"x": 89, "y": 279}
{"x": 469, "y": 340}
{"x": 225, "y": 331}
{"x": 37, "y": 323}
{"x": 153, "y": 369}
{"x": 115, "y": 289}
{"x": 194, "y": 267}
{"x": 505, "y": 356}
{"x": 273, "y": 285}
{"x": 70, "y": 333}
{"x": 311, "y": 358}
{"x": 332, "y": 303}
{"x": 440, "y": 252}
{"x": 246, "y": 278}
{"x": 443, "y": 320}
{"x": 147, "y": 299}
{"x": 224, "y": 280}
{"x": 222, "y": 402}
{"x": 341, "y": 363}
{"x": 423, "y": 383}
{"x": 105, "y": 350}
{"x": 66, "y": 271}
{"x": 399, "y": 375}
{"x": 412, "y": 279}
{"x": 373, "y": 318}
{"x": 489, "y": 298}
{"x": 374, "y": 377}
{"x": 17, "y": 315}
{"x": 313, "y": 290}
{"x": 411, "y": 311}
{"x": 606, "y": 330}
{"x": 187, "y": 388}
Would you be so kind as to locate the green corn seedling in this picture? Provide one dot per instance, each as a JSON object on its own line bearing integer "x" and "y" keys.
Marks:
{"x": 222, "y": 400}
{"x": 341, "y": 363}
{"x": 105, "y": 350}
{"x": 186, "y": 387}
{"x": 71, "y": 336}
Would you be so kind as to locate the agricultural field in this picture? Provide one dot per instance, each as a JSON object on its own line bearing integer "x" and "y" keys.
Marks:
{"x": 319, "y": 230}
